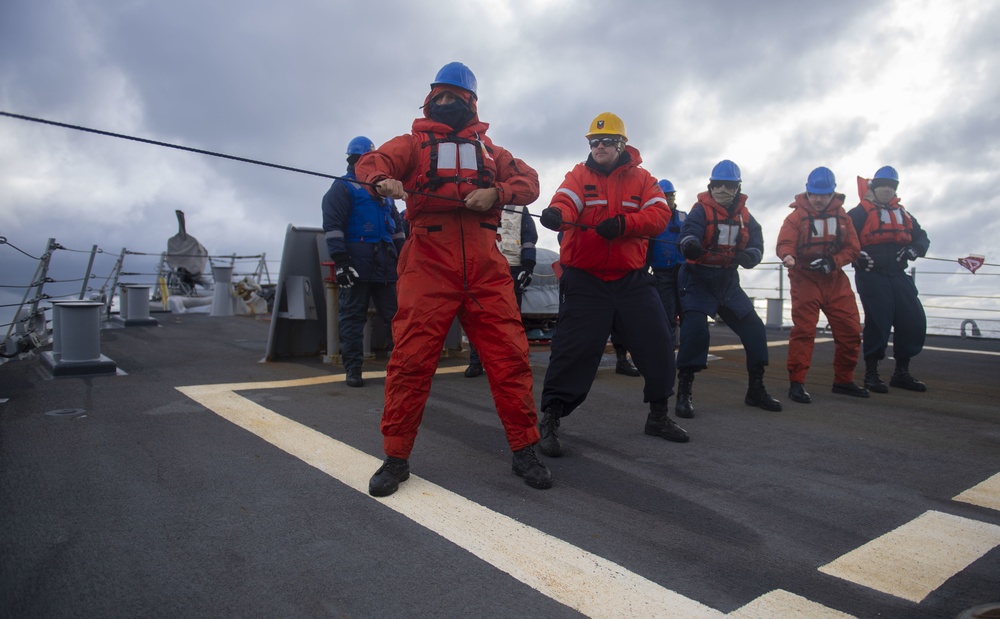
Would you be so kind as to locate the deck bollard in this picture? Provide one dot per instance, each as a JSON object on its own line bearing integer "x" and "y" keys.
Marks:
{"x": 222, "y": 296}
{"x": 135, "y": 307}
{"x": 76, "y": 340}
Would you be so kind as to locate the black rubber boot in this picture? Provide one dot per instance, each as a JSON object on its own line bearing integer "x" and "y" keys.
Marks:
{"x": 757, "y": 395}
{"x": 525, "y": 464}
{"x": 872, "y": 380}
{"x": 354, "y": 378}
{"x": 387, "y": 478}
{"x": 684, "y": 408}
{"x": 901, "y": 378}
{"x": 548, "y": 427}
{"x": 474, "y": 370}
{"x": 624, "y": 364}
{"x": 850, "y": 388}
{"x": 798, "y": 393}
{"x": 658, "y": 423}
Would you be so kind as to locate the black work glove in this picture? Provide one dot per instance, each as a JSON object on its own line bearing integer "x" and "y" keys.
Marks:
{"x": 745, "y": 259}
{"x": 611, "y": 228}
{"x": 907, "y": 253}
{"x": 346, "y": 275}
{"x": 824, "y": 265}
{"x": 551, "y": 218}
{"x": 524, "y": 278}
{"x": 692, "y": 249}
{"x": 864, "y": 262}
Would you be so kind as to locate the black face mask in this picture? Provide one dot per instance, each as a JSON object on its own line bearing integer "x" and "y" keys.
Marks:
{"x": 455, "y": 114}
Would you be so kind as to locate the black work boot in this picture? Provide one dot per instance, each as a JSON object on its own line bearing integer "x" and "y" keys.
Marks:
{"x": 850, "y": 388}
{"x": 901, "y": 377}
{"x": 872, "y": 380}
{"x": 684, "y": 408}
{"x": 658, "y": 423}
{"x": 797, "y": 392}
{"x": 525, "y": 464}
{"x": 387, "y": 478}
{"x": 354, "y": 378}
{"x": 547, "y": 427}
{"x": 474, "y": 370}
{"x": 757, "y": 395}
{"x": 624, "y": 364}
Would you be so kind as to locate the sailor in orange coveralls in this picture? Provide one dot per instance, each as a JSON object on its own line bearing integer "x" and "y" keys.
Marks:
{"x": 450, "y": 265}
{"x": 816, "y": 240}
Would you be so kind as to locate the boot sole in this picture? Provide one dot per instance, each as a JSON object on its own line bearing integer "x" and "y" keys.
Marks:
{"x": 672, "y": 439}
{"x": 773, "y": 409}
{"x": 856, "y": 394}
{"x": 540, "y": 485}
{"x": 908, "y": 387}
{"x": 386, "y": 491}
{"x": 877, "y": 388}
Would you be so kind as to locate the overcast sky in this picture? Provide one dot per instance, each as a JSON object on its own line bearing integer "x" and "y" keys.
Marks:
{"x": 778, "y": 86}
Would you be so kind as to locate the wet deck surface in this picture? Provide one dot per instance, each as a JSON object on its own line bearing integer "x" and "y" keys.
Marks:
{"x": 200, "y": 482}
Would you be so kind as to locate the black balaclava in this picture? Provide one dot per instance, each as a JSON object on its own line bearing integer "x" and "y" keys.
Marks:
{"x": 456, "y": 114}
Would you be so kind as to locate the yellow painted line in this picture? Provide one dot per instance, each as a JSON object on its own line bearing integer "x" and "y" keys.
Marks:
{"x": 985, "y": 494}
{"x": 574, "y": 577}
{"x": 774, "y": 344}
{"x": 918, "y": 557}
{"x": 781, "y": 603}
{"x": 308, "y": 382}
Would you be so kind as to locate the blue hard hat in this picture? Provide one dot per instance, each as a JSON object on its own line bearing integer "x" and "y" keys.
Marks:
{"x": 666, "y": 186}
{"x": 887, "y": 172}
{"x": 360, "y": 145}
{"x": 726, "y": 170}
{"x": 456, "y": 74}
{"x": 821, "y": 181}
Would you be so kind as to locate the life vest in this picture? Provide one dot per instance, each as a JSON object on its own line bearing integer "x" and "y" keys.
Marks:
{"x": 371, "y": 219}
{"x": 509, "y": 234}
{"x": 454, "y": 166}
{"x": 725, "y": 233}
{"x": 664, "y": 252}
{"x": 886, "y": 225}
{"x": 883, "y": 224}
{"x": 820, "y": 234}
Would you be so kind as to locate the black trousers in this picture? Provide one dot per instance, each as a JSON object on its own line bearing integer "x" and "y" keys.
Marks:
{"x": 589, "y": 310}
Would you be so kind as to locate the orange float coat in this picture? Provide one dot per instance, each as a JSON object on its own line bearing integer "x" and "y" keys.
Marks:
{"x": 450, "y": 266}
{"x": 806, "y": 235}
{"x": 586, "y": 198}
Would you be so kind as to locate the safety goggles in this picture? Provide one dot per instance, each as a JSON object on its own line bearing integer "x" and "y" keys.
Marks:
{"x": 595, "y": 142}
{"x": 727, "y": 184}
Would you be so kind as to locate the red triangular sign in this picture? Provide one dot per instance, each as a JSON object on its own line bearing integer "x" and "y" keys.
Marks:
{"x": 972, "y": 262}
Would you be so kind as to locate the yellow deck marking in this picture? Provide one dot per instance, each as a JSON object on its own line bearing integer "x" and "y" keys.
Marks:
{"x": 918, "y": 557}
{"x": 985, "y": 494}
{"x": 781, "y": 603}
{"x": 579, "y": 579}
{"x": 819, "y": 340}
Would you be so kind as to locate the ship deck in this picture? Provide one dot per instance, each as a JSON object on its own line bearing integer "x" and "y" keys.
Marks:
{"x": 200, "y": 481}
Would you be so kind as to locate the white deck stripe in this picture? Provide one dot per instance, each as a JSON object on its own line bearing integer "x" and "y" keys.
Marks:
{"x": 968, "y": 352}
{"x": 780, "y": 603}
{"x": 579, "y": 579}
{"x": 918, "y": 557}
{"x": 985, "y": 494}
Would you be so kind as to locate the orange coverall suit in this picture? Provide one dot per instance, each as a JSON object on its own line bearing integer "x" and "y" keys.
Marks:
{"x": 807, "y": 235}
{"x": 450, "y": 265}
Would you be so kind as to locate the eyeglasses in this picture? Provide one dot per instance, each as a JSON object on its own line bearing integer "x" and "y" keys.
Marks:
{"x": 726, "y": 184}
{"x": 595, "y": 142}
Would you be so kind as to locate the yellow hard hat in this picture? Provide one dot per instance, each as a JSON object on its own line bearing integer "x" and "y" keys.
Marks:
{"x": 607, "y": 123}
